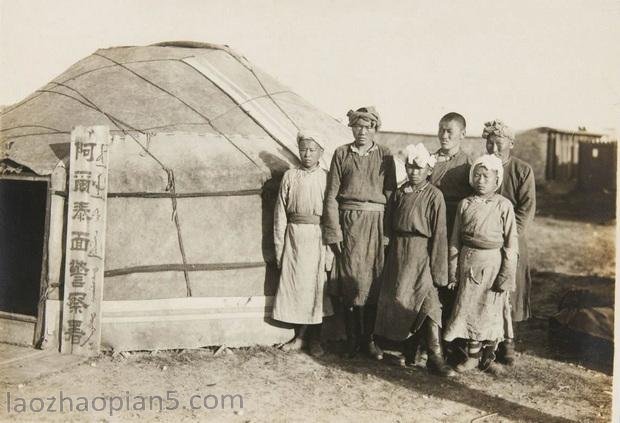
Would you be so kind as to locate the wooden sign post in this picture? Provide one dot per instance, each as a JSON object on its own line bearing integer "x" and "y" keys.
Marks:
{"x": 85, "y": 246}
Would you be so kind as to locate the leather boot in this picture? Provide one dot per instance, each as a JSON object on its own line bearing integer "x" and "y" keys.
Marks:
{"x": 353, "y": 330}
{"x": 472, "y": 357}
{"x": 458, "y": 352}
{"x": 436, "y": 362}
{"x": 506, "y": 352}
{"x": 316, "y": 349}
{"x": 487, "y": 355}
{"x": 410, "y": 348}
{"x": 369, "y": 314}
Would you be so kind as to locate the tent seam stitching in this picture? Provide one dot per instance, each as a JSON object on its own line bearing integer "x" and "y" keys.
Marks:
{"x": 171, "y": 182}
{"x": 181, "y": 101}
{"x": 245, "y": 111}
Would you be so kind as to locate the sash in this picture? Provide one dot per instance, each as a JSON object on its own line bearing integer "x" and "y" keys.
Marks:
{"x": 361, "y": 206}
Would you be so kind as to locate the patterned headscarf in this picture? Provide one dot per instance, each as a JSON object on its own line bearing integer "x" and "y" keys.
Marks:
{"x": 490, "y": 162}
{"x": 499, "y": 129}
{"x": 309, "y": 134}
{"x": 367, "y": 113}
{"x": 418, "y": 154}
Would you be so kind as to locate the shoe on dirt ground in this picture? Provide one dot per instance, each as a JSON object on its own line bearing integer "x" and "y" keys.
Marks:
{"x": 374, "y": 351}
{"x": 438, "y": 366}
{"x": 506, "y": 353}
{"x": 352, "y": 348}
{"x": 295, "y": 344}
{"x": 316, "y": 350}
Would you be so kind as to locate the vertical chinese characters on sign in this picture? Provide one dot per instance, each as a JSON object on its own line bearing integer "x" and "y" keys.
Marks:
{"x": 88, "y": 175}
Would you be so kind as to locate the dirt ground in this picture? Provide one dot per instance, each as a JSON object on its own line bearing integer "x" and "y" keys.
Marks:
{"x": 546, "y": 385}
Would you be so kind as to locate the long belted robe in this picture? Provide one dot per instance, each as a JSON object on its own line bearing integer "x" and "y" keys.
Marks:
{"x": 300, "y": 251}
{"x": 519, "y": 187}
{"x": 417, "y": 262}
{"x": 358, "y": 186}
{"x": 483, "y": 254}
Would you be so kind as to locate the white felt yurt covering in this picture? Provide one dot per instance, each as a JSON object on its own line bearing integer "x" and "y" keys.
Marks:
{"x": 200, "y": 140}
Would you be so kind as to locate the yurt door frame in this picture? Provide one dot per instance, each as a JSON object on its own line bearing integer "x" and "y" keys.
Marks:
{"x": 20, "y": 328}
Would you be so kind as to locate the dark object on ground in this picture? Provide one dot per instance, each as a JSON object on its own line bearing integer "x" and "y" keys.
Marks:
{"x": 584, "y": 325}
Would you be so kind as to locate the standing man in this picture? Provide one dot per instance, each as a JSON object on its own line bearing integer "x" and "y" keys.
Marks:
{"x": 451, "y": 172}
{"x": 360, "y": 180}
{"x": 451, "y": 176}
{"x": 519, "y": 187}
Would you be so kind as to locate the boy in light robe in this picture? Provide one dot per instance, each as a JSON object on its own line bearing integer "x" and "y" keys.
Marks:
{"x": 301, "y": 255}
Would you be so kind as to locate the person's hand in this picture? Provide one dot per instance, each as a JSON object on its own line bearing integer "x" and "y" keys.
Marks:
{"x": 330, "y": 259}
{"x": 336, "y": 248}
{"x": 496, "y": 287}
{"x": 451, "y": 286}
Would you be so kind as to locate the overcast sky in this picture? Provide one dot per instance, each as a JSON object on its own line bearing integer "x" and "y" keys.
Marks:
{"x": 531, "y": 63}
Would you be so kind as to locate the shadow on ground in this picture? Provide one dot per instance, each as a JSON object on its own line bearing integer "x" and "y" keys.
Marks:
{"x": 534, "y": 343}
{"x": 452, "y": 389}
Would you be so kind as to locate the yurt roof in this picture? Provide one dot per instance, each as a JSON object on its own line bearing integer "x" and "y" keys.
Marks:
{"x": 196, "y": 101}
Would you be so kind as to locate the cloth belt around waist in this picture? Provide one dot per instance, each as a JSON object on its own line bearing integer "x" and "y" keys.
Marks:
{"x": 361, "y": 206}
{"x": 480, "y": 244}
{"x": 404, "y": 234}
{"x": 303, "y": 219}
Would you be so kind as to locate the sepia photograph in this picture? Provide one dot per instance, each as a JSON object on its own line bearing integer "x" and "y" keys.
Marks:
{"x": 308, "y": 211}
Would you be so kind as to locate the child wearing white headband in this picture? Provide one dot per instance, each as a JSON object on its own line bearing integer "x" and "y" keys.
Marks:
{"x": 409, "y": 309}
{"x": 483, "y": 260}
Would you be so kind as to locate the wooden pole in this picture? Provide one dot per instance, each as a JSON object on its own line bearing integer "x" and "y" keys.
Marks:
{"x": 48, "y": 321}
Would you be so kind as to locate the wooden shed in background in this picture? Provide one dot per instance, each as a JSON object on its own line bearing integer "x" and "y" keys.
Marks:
{"x": 554, "y": 154}
{"x": 597, "y": 165}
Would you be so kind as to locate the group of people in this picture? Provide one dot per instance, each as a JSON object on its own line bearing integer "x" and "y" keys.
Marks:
{"x": 435, "y": 262}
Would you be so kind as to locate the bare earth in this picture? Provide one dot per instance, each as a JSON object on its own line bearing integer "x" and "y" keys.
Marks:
{"x": 546, "y": 385}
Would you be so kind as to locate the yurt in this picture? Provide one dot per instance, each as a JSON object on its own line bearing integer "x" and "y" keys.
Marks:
{"x": 200, "y": 138}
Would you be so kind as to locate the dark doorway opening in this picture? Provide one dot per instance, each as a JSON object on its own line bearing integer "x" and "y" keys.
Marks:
{"x": 22, "y": 234}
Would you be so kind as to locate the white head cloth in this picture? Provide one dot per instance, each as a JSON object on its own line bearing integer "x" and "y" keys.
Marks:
{"x": 418, "y": 154}
{"x": 309, "y": 134}
{"x": 490, "y": 162}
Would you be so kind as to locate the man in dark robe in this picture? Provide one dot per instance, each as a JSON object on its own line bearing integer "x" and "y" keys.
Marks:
{"x": 519, "y": 187}
{"x": 360, "y": 180}
{"x": 451, "y": 176}
{"x": 451, "y": 171}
